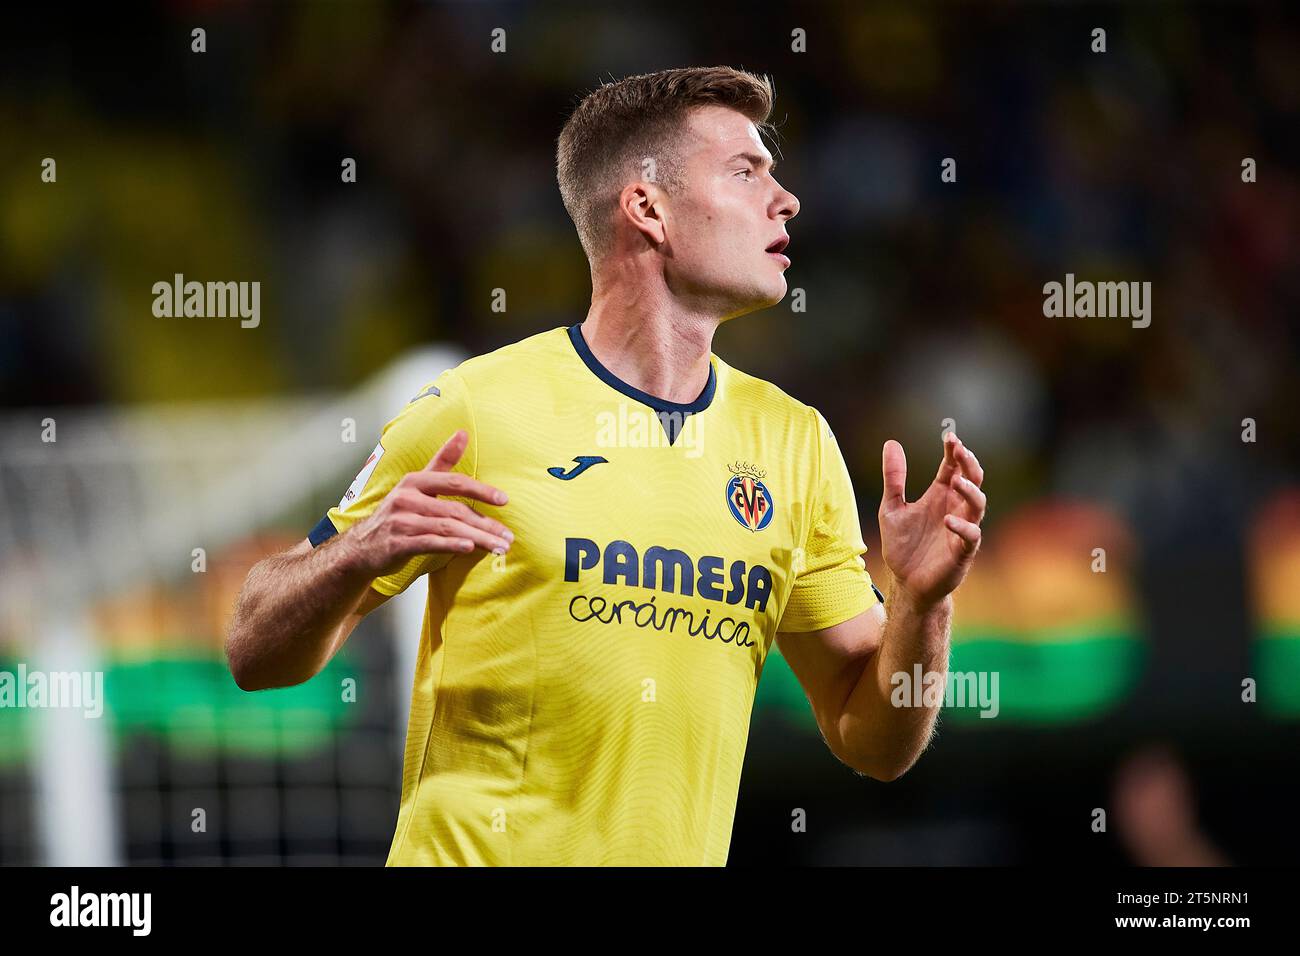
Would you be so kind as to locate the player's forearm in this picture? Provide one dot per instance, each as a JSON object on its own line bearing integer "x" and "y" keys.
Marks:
{"x": 881, "y": 738}
{"x": 288, "y": 615}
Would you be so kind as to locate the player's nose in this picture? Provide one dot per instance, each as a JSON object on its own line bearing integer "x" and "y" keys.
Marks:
{"x": 786, "y": 204}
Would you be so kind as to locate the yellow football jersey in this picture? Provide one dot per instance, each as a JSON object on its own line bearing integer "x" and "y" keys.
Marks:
{"x": 585, "y": 698}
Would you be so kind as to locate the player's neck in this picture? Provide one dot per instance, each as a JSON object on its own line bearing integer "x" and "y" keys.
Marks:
{"x": 650, "y": 343}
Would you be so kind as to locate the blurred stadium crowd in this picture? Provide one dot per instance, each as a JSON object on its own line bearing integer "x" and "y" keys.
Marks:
{"x": 924, "y": 302}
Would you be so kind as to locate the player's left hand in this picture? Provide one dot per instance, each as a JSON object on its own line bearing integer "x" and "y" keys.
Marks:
{"x": 930, "y": 543}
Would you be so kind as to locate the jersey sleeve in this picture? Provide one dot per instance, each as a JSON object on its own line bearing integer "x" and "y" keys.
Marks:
{"x": 406, "y": 444}
{"x": 831, "y": 582}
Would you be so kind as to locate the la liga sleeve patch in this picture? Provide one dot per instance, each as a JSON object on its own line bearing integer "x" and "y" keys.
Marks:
{"x": 359, "y": 482}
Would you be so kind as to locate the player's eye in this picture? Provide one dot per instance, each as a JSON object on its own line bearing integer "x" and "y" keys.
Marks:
{"x": 748, "y": 173}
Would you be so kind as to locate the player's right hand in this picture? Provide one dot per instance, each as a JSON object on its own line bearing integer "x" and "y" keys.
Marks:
{"x": 415, "y": 518}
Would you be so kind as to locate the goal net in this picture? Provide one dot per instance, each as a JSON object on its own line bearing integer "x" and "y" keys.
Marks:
{"x": 125, "y": 534}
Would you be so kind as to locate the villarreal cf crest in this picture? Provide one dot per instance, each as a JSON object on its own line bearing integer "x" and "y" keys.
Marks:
{"x": 748, "y": 498}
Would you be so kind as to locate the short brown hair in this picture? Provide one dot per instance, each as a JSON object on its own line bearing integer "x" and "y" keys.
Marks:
{"x": 619, "y": 125}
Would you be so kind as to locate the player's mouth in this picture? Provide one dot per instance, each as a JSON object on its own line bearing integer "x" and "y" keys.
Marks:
{"x": 777, "y": 250}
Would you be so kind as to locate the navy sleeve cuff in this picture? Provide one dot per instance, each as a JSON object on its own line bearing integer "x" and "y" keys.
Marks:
{"x": 873, "y": 587}
{"x": 325, "y": 530}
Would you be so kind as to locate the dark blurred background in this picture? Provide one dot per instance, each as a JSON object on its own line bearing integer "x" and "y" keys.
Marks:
{"x": 1120, "y": 690}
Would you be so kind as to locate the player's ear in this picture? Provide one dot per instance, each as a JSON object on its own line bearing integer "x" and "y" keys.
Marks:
{"x": 641, "y": 204}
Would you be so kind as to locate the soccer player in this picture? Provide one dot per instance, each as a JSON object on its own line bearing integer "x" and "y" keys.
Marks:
{"x": 615, "y": 524}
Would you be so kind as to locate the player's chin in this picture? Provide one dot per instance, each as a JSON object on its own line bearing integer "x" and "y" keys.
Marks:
{"x": 775, "y": 291}
{"x": 752, "y": 296}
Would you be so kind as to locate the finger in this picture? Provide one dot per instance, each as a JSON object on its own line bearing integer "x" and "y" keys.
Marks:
{"x": 948, "y": 467}
{"x": 463, "y": 512}
{"x": 977, "y": 500}
{"x": 893, "y": 465}
{"x": 969, "y": 533}
{"x": 434, "y": 544}
{"x": 970, "y": 465}
{"x": 448, "y": 527}
{"x": 433, "y": 506}
{"x": 450, "y": 452}
{"x": 456, "y": 485}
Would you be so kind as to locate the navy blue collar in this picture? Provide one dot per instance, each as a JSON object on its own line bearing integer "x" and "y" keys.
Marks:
{"x": 672, "y": 415}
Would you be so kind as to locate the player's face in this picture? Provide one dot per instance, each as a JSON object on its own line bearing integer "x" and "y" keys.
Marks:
{"x": 725, "y": 223}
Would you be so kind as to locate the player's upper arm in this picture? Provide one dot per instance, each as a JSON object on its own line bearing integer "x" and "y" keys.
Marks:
{"x": 834, "y": 617}
{"x": 369, "y": 601}
{"x": 828, "y": 663}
